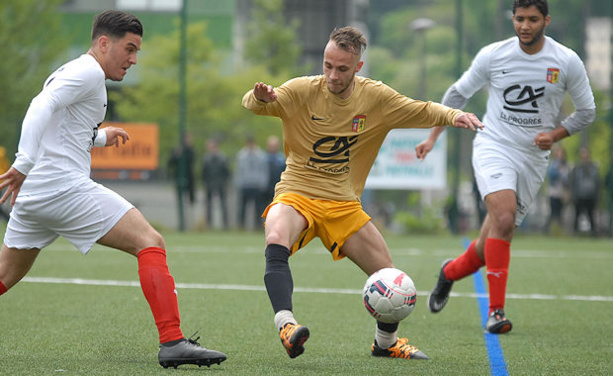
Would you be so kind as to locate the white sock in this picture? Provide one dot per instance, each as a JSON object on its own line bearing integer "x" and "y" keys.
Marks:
{"x": 283, "y": 317}
{"x": 385, "y": 339}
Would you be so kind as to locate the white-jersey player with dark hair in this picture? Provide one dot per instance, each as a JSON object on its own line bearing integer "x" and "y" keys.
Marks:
{"x": 53, "y": 195}
{"x": 527, "y": 77}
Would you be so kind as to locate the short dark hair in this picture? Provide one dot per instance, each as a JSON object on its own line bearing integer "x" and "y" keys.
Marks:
{"x": 349, "y": 39}
{"x": 116, "y": 24}
{"x": 541, "y": 5}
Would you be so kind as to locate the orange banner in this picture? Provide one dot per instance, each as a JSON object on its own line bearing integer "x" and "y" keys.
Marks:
{"x": 140, "y": 152}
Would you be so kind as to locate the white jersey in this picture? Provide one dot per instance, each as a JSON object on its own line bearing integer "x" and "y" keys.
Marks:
{"x": 525, "y": 91}
{"x": 60, "y": 127}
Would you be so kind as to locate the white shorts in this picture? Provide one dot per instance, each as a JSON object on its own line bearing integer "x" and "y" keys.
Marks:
{"x": 499, "y": 167}
{"x": 82, "y": 214}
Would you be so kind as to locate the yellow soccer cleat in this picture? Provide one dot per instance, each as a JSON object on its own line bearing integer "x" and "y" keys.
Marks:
{"x": 293, "y": 337}
{"x": 400, "y": 349}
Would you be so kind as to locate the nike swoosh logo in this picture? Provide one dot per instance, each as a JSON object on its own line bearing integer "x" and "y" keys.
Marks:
{"x": 104, "y": 105}
{"x": 315, "y": 118}
{"x": 505, "y": 71}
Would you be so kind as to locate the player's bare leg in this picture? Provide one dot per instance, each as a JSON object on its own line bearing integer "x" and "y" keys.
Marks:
{"x": 14, "y": 265}
{"x": 367, "y": 249}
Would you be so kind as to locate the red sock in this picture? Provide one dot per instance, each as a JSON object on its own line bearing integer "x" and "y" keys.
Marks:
{"x": 464, "y": 265}
{"x": 159, "y": 289}
{"x": 3, "y": 288}
{"x": 497, "y": 260}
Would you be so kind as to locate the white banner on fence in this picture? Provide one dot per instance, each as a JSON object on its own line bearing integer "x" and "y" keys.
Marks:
{"x": 397, "y": 166}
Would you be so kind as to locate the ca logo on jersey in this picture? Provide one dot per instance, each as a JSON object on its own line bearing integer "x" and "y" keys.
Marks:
{"x": 332, "y": 154}
{"x": 523, "y": 99}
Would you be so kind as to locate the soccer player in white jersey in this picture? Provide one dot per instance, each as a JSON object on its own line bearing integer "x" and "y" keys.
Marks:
{"x": 52, "y": 194}
{"x": 527, "y": 77}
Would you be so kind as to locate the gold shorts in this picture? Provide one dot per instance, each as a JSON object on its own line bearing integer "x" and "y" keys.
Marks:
{"x": 332, "y": 221}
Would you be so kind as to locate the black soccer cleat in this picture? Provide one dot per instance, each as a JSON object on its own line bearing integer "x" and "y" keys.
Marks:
{"x": 188, "y": 351}
{"x": 440, "y": 294}
{"x": 497, "y": 323}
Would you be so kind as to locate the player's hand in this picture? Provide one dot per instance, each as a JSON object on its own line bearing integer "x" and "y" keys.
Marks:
{"x": 423, "y": 148}
{"x": 544, "y": 140}
{"x": 12, "y": 181}
{"x": 468, "y": 121}
{"x": 264, "y": 93}
{"x": 113, "y": 134}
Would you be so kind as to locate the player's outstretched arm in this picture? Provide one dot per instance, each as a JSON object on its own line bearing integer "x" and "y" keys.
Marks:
{"x": 12, "y": 181}
{"x": 264, "y": 93}
{"x": 467, "y": 121}
{"x": 426, "y": 146}
{"x": 113, "y": 134}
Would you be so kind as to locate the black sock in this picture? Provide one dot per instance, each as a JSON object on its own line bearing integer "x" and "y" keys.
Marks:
{"x": 278, "y": 277}
{"x": 390, "y": 328}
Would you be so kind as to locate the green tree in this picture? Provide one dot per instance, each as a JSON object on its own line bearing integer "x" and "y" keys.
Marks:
{"x": 272, "y": 41}
{"x": 214, "y": 93}
{"x": 31, "y": 43}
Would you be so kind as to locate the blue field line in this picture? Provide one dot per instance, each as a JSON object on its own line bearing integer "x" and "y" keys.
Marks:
{"x": 498, "y": 366}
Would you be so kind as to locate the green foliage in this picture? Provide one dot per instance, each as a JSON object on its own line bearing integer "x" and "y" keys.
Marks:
{"x": 428, "y": 222}
{"x": 417, "y": 219}
{"x": 31, "y": 44}
{"x": 272, "y": 41}
{"x": 214, "y": 93}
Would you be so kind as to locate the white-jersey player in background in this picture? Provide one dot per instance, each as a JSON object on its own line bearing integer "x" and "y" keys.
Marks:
{"x": 527, "y": 77}
{"x": 58, "y": 197}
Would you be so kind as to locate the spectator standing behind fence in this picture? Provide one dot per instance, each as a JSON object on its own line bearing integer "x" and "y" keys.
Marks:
{"x": 608, "y": 183}
{"x": 557, "y": 190}
{"x": 186, "y": 150}
{"x": 215, "y": 175}
{"x": 585, "y": 184}
{"x": 251, "y": 181}
{"x": 276, "y": 165}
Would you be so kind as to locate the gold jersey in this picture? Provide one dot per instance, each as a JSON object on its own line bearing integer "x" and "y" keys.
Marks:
{"x": 331, "y": 143}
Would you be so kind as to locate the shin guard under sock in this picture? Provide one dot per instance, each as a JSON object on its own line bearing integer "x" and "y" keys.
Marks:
{"x": 497, "y": 260}
{"x": 465, "y": 264}
{"x": 278, "y": 277}
{"x": 386, "y": 334}
{"x": 159, "y": 289}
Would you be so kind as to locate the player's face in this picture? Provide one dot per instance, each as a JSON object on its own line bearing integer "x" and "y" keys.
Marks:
{"x": 529, "y": 24}
{"x": 340, "y": 67}
{"x": 121, "y": 55}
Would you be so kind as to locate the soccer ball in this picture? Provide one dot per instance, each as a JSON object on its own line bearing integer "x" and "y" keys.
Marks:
{"x": 389, "y": 295}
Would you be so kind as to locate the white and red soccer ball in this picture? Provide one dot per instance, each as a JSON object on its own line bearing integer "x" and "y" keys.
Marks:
{"x": 389, "y": 295}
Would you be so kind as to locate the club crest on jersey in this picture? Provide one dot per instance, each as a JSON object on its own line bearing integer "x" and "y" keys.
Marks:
{"x": 553, "y": 75}
{"x": 359, "y": 122}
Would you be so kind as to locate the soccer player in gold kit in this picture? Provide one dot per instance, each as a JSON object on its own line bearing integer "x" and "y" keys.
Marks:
{"x": 333, "y": 127}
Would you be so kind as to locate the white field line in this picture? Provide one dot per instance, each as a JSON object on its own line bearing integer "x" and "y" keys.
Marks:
{"x": 204, "y": 286}
{"x": 519, "y": 253}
